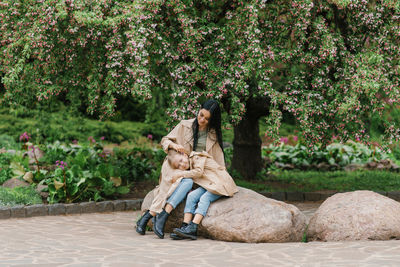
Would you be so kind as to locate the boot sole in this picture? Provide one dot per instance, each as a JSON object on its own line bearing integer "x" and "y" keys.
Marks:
{"x": 158, "y": 234}
{"x": 177, "y": 237}
{"x": 140, "y": 232}
{"x": 185, "y": 235}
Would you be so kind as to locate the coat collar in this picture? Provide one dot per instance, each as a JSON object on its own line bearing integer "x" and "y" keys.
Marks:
{"x": 188, "y": 123}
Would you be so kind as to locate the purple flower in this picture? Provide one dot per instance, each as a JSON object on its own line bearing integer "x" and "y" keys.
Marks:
{"x": 149, "y": 136}
{"x": 91, "y": 139}
{"x": 61, "y": 164}
{"x": 284, "y": 140}
{"x": 102, "y": 138}
{"x": 295, "y": 138}
{"x": 104, "y": 154}
{"x": 24, "y": 137}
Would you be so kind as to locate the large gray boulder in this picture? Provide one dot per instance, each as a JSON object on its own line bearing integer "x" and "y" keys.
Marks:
{"x": 245, "y": 217}
{"x": 359, "y": 215}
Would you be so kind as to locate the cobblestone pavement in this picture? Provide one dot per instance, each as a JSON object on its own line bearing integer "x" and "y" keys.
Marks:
{"x": 109, "y": 239}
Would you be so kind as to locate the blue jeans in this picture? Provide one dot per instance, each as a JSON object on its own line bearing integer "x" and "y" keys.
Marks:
{"x": 180, "y": 192}
{"x": 200, "y": 198}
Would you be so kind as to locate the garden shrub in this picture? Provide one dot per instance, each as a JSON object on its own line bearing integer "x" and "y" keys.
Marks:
{"x": 68, "y": 126}
{"x": 8, "y": 142}
{"x": 19, "y": 196}
{"x": 341, "y": 155}
{"x": 91, "y": 173}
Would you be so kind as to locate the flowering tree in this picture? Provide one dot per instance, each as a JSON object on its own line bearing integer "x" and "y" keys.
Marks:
{"x": 83, "y": 52}
{"x": 331, "y": 64}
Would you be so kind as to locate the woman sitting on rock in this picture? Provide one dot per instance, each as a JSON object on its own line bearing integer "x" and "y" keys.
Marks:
{"x": 202, "y": 133}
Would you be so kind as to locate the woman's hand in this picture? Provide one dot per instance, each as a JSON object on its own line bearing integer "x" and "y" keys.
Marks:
{"x": 178, "y": 148}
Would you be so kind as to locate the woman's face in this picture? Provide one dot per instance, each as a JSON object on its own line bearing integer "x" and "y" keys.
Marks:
{"x": 202, "y": 118}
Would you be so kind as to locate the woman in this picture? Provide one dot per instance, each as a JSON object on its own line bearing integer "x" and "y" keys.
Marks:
{"x": 202, "y": 133}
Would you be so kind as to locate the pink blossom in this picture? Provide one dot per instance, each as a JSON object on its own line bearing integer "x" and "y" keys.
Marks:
{"x": 284, "y": 140}
{"x": 24, "y": 137}
{"x": 91, "y": 139}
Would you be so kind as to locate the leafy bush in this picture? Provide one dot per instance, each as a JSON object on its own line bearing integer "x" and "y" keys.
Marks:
{"x": 8, "y": 142}
{"x": 5, "y": 174}
{"x": 91, "y": 172}
{"x": 300, "y": 157}
{"x": 8, "y": 165}
{"x": 19, "y": 196}
{"x": 65, "y": 126}
{"x": 138, "y": 164}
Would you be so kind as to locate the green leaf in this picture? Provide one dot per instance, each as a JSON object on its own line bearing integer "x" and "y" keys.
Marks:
{"x": 75, "y": 189}
{"x": 81, "y": 181}
{"x": 58, "y": 184}
{"x": 17, "y": 168}
{"x": 123, "y": 190}
{"x": 97, "y": 196}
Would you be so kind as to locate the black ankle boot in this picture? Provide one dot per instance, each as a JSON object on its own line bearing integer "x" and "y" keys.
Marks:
{"x": 189, "y": 231}
{"x": 159, "y": 223}
{"x": 142, "y": 223}
{"x": 178, "y": 237}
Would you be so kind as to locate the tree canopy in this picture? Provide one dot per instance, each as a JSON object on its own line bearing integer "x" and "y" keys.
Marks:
{"x": 331, "y": 64}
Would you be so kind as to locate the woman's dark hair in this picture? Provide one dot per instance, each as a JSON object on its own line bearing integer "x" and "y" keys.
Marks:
{"x": 214, "y": 122}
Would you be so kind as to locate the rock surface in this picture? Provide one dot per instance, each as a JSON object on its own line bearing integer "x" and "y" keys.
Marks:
{"x": 245, "y": 217}
{"x": 15, "y": 182}
{"x": 32, "y": 153}
{"x": 359, "y": 215}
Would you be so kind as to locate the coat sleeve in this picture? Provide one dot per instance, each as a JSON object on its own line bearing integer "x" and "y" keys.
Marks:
{"x": 170, "y": 138}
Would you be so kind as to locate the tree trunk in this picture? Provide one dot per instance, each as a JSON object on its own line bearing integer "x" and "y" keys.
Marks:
{"x": 247, "y": 142}
{"x": 247, "y": 148}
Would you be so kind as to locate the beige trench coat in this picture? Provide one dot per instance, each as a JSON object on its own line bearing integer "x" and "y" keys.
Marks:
{"x": 182, "y": 135}
{"x": 206, "y": 172}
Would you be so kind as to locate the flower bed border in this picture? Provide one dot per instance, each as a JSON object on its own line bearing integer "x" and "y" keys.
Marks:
{"x": 22, "y": 211}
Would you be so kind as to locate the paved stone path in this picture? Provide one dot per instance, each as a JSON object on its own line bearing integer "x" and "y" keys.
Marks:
{"x": 109, "y": 239}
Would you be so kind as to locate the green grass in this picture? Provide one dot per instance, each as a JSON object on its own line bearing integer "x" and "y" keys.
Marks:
{"x": 19, "y": 196}
{"x": 310, "y": 181}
